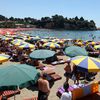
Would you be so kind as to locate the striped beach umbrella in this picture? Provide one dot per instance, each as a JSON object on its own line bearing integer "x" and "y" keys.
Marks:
{"x": 6, "y": 38}
{"x": 51, "y": 45}
{"x": 61, "y": 42}
{"x": 97, "y": 47}
{"x": 17, "y": 42}
{"x": 79, "y": 40}
{"x": 92, "y": 43}
{"x": 26, "y": 46}
{"x": 44, "y": 40}
{"x": 4, "y": 58}
{"x": 79, "y": 43}
{"x": 86, "y": 63}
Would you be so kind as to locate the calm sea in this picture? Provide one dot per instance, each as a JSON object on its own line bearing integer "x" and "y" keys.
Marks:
{"x": 84, "y": 35}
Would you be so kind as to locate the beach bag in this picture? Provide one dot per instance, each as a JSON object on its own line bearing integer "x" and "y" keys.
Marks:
{"x": 73, "y": 77}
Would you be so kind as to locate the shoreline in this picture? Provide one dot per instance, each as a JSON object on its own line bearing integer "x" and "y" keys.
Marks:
{"x": 29, "y": 29}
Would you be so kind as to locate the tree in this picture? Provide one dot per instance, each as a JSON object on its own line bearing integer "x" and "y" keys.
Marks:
{"x": 81, "y": 19}
{"x": 2, "y": 18}
{"x": 76, "y": 18}
{"x": 11, "y": 18}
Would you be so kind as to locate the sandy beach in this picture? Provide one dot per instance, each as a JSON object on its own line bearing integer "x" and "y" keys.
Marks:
{"x": 59, "y": 69}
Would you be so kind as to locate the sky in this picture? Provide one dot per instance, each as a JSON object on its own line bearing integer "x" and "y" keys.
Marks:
{"x": 88, "y": 9}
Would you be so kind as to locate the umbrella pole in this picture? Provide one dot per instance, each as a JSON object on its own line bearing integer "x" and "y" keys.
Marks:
{"x": 14, "y": 97}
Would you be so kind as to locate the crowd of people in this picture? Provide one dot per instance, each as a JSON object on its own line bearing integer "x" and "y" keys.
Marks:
{"x": 22, "y": 56}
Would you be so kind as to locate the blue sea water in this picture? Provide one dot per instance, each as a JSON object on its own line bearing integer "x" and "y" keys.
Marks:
{"x": 84, "y": 35}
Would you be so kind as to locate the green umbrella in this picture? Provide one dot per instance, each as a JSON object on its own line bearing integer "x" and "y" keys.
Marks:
{"x": 73, "y": 51}
{"x": 17, "y": 75}
{"x": 42, "y": 54}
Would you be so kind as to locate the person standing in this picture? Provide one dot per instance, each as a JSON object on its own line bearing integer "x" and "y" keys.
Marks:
{"x": 67, "y": 69}
{"x": 44, "y": 88}
{"x": 67, "y": 95}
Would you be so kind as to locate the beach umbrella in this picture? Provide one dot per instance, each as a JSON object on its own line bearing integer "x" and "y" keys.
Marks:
{"x": 79, "y": 40}
{"x": 73, "y": 51}
{"x": 36, "y": 38}
{"x": 41, "y": 54}
{"x": 17, "y": 76}
{"x": 78, "y": 43}
{"x": 53, "y": 40}
{"x": 97, "y": 47}
{"x": 44, "y": 40}
{"x": 51, "y": 45}
{"x": 4, "y": 58}
{"x": 92, "y": 43}
{"x": 86, "y": 63}
{"x": 18, "y": 42}
{"x": 61, "y": 42}
{"x": 3, "y": 32}
{"x": 6, "y": 39}
{"x": 26, "y": 46}
{"x": 10, "y": 32}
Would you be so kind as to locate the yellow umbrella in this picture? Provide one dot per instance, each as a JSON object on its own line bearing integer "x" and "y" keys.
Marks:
{"x": 6, "y": 38}
{"x": 92, "y": 43}
{"x": 18, "y": 42}
{"x": 79, "y": 43}
{"x": 27, "y": 46}
{"x": 4, "y": 58}
{"x": 86, "y": 63}
{"x": 97, "y": 47}
{"x": 51, "y": 45}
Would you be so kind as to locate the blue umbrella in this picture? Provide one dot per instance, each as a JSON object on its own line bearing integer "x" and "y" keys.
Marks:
{"x": 86, "y": 63}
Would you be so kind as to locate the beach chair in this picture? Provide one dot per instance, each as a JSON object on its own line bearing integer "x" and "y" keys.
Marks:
{"x": 62, "y": 62}
{"x": 55, "y": 63}
{"x": 49, "y": 71}
{"x": 33, "y": 98}
{"x": 10, "y": 93}
{"x": 47, "y": 68}
{"x": 55, "y": 77}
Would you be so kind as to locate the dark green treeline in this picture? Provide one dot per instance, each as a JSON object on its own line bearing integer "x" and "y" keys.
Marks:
{"x": 54, "y": 22}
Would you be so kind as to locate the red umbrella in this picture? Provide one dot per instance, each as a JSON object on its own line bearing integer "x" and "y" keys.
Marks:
{"x": 3, "y": 32}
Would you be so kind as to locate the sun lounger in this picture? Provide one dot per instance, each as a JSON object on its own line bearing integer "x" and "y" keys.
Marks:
{"x": 58, "y": 62}
{"x": 33, "y": 98}
{"x": 55, "y": 77}
{"x": 47, "y": 68}
{"x": 62, "y": 62}
{"x": 55, "y": 63}
{"x": 10, "y": 93}
{"x": 49, "y": 72}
